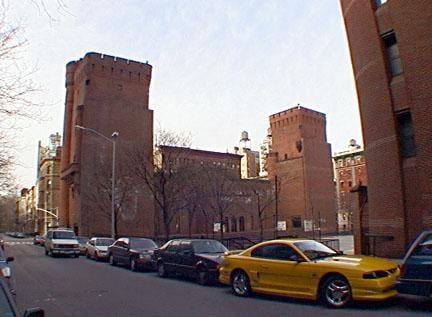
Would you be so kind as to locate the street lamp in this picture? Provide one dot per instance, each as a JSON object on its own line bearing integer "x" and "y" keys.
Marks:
{"x": 112, "y": 140}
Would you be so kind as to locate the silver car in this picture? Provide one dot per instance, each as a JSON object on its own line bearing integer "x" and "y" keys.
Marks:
{"x": 97, "y": 248}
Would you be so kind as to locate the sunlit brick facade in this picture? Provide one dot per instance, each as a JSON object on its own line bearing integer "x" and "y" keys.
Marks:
{"x": 300, "y": 160}
{"x": 107, "y": 94}
{"x": 391, "y": 51}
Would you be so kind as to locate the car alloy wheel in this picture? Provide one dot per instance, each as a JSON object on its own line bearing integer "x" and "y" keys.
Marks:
{"x": 202, "y": 276}
{"x": 336, "y": 292}
{"x": 240, "y": 284}
{"x": 161, "y": 270}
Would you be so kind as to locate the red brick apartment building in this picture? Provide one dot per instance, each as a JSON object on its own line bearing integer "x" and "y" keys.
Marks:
{"x": 300, "y": 160}
{"x": 350, "y": 173}
{"x": 107, "y": 94}
{"x": 391, "y": 51}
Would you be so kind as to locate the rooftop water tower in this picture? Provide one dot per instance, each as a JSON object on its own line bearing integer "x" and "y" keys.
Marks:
{"x": 244, "y": 140}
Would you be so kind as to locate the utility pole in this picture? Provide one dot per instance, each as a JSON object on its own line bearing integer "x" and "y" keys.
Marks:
{"x": 276, "y": 207}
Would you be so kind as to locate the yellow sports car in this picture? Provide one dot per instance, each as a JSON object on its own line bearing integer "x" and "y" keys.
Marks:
{"x": 310, "y": 270}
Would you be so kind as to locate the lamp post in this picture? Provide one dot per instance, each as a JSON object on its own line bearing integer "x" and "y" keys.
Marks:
{"x": 112, "y": 140}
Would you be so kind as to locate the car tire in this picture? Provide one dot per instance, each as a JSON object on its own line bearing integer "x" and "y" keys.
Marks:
{"x": 46, "y": 252}
{"x": 161, "y": 270}
{"x": 87, "y": 255}
{"x": 112, "y": 261}
{"x": 133, "y": 265}
{"x": 240, "y": 284}
{"x": 203, "y": 277}
{"x": 95, "y": 257}
{"x": 335, "y": 292}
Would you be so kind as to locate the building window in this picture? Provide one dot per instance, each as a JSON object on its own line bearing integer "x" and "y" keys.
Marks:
{"x": 406, "y": 134}
{"x": 349, "y": 184}
{"x": 296, "y": 222}
{"x": 226, "y": 225}
{"x": 241, "y": 224}
{"x": 342, "y": 185}
{"x": 393, "y": 57}
{"x": 49, "y": 169}
{"x": 233, "y": 224}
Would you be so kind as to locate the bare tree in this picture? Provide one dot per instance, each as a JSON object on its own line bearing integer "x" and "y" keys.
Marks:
{"x": 164, "y": 175}
{"x": 221, "y": 192}
{"x": 263, "y": 195}
{"x": 16, "y": 86}
{"x": 8, "y": 212}
{"x": 98, "y": 199}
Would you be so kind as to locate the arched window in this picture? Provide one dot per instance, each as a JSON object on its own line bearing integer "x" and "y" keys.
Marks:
{"x": 233, "y": 224}
{"x": 226, "y": 225}
{"x": 241, "y": 224}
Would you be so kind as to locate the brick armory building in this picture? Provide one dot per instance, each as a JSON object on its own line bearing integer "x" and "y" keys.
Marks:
{"x": 107, "y": 94}
{"x": 213, "y": 178}
{"x": 300, "y": 160}
{"x": 391, "y": 51}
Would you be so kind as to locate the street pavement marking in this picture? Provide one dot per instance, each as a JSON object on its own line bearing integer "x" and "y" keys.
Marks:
{"x": 17, "y": 242}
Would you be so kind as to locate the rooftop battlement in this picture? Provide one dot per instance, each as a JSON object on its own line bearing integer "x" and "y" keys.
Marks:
{"x": 99, "y": 57}
{"x": 296, "y": 110}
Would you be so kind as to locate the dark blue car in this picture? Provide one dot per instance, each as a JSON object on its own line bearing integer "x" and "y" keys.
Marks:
{"x": 416, "y": 268}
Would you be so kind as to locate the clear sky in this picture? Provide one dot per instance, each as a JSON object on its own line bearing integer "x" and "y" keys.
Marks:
{"x": 219, "y": 67}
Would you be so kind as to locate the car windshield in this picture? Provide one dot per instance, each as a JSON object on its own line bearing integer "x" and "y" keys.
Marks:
{"x": 104, "y": 242}
{"x": 63, "y": 235}
{"x": 315, "y": 250}
{"x": 208, "y": 246}
{"x": 143, "y": 244}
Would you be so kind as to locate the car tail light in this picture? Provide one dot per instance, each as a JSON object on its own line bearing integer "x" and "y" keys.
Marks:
{"x": 402, "y": 269}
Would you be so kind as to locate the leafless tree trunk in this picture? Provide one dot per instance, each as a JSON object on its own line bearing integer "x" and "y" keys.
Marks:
{"x": 164, "y": 175}
{"x": 221, "y": 191}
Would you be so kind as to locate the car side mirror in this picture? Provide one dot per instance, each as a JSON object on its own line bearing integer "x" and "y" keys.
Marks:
{"x": 34, "y": 312}
{"x": 10, "y": 259}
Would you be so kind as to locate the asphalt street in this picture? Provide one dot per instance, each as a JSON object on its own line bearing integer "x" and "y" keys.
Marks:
{"x": 82, "y": 287}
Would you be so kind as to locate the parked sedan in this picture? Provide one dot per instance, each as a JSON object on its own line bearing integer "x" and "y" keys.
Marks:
{"x": 194, "y": 258}
{"x": 416, "y": 267}
{"x": 310, "y": 270}
{"x": 97, "y": 248}
{"x": 37, "y": 240}
{"x": 137, "y": 253}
